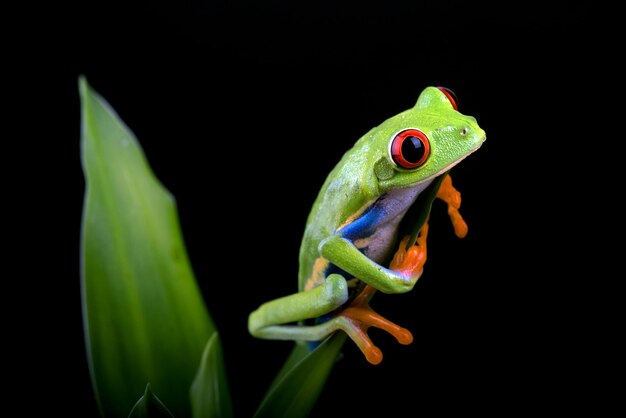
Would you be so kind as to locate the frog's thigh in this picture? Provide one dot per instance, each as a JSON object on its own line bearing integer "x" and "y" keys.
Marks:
{"x": 266, "y": 321}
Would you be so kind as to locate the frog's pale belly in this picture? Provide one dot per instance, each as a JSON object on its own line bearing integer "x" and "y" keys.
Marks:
{"x": 392, "y": 207}
{"x": 374, "y": 232}
{"x": 378, "y": 246}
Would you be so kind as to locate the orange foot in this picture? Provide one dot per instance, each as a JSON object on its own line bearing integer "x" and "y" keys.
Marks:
{"x": 358, "y": 317}
{"x": 452, "y": 197}
{"x": 410, "y": 262}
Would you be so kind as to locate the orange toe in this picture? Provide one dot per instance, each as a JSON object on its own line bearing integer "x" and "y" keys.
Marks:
{"x": 360, "y": 316}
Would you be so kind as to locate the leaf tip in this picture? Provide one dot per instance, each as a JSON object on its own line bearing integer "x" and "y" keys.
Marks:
{"x": 83, "y": 85}
{"x": 149, "y": 406}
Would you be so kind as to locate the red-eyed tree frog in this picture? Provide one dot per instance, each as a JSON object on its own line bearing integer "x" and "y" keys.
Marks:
{"x": 368, "y": 226}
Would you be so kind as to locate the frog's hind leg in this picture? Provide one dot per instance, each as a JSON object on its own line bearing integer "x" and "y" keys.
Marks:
{"x": 354, "y": 320}
{"x": 271, "y": 319}
{"x": 358, "y": 317}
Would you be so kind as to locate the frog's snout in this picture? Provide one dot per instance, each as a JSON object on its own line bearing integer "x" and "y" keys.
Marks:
{"x": 482, "y": 134}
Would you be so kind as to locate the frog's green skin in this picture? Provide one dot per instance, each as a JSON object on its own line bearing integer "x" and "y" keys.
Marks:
{"x": 352, "y": 230}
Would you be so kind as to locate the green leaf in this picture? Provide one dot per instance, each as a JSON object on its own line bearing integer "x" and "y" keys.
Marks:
{"x": 297, "y": 386}
{"x": 149, "y": 406}
{"x": 210, "y": 396}
{"x": 145, "y": 318}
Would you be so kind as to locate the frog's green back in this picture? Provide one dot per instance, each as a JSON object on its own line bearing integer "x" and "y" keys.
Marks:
{"x": 367, "y": 170}
{"x": 347, "y": 189}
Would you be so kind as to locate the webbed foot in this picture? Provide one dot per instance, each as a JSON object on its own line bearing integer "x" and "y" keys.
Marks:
{"x": 452, "y": 197}
{"x": 359, "y": 316}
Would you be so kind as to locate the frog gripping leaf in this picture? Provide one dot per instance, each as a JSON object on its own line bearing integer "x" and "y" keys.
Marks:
{"x": 368, "y": 227}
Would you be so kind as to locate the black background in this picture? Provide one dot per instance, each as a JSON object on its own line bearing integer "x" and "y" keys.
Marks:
{"x": 244, "y": 107}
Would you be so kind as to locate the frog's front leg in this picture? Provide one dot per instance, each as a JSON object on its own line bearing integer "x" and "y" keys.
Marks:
{"x": 358, "y": 316}
{"x": 344, "y": 254}
{"x": 404, "y": 270}
{"x": 452, "y": 198}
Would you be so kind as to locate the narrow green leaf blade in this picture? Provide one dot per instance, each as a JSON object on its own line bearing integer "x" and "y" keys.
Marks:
{"x": 210, "y": 396}
{"x": 145, "y": 319}
{"x": 299, "y": 383}
{"x": 149, "y": 406}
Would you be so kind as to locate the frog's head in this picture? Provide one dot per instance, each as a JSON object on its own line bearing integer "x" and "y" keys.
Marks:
{"x": 423, "y": 142}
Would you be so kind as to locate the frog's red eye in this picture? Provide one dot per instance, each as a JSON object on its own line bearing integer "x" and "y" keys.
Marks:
{"x": 451, "y": 96}
{"x": 410, "y": 148}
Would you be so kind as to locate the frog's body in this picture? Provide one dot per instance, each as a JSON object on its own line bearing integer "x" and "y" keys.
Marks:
{"x": 356, "y": 226}
{"x": 372, "y": 227}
